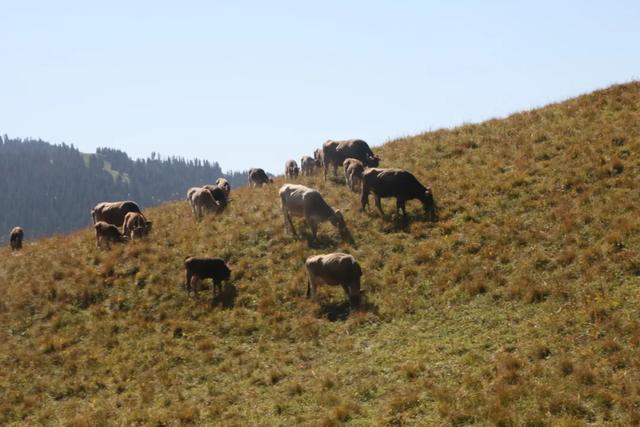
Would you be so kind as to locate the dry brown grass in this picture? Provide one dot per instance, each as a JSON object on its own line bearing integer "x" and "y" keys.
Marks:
{"x": 519, "y": 307}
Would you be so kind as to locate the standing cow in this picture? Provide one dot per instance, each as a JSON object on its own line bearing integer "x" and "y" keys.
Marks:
{"x": 113, "y": 212}
{"x": 335, "y": 269}
{"x": 258, "y": 177}
{"x": 353, "y": 170}
{"x": 396, "y": 183}
{"x": 291, "y": 170}
{"x": 15, "y": 238}
{"x": 200, "y": 268}
{"x": 334, "y": 153}
{"x": 298, "y": 200}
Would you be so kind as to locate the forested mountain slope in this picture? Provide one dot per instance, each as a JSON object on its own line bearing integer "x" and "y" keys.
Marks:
{"x": 520, "y": 306}
{"x": 50, "y": 189}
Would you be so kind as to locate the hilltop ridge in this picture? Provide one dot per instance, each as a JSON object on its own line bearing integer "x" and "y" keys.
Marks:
{"x": 520, "y": 306}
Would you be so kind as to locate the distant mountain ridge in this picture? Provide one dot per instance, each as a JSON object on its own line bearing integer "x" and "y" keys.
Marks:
{"x": 50, "y": 188}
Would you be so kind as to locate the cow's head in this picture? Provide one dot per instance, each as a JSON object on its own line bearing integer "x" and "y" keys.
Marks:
{"x": 226, "y": 272}
{"x": 338, "y": 221}
{"x": 138, "y": 233}
{"x": 372, "y": 161}
{"x": 429, "y": 204}
{"x": 147, "y": 226}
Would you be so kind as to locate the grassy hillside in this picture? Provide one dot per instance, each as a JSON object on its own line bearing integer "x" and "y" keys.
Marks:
{"x": 519, "y": 307}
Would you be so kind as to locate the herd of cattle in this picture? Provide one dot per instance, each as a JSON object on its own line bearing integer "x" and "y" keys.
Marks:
{"x": 116, "y": 222}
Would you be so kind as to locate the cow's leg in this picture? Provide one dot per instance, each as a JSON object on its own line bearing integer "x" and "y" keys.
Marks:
{"x": 216, "y": 289}
{"x": 311, "y": 290}
{"x": 379, "y": 204}
{"x": 195, "y": 280}
{"x": 289, "y": 222}
{"x": 325, "y": 167}
{"x": 335, "y": 170}
{"x": 403, "y": 206}
{"x": 313, "y": 226}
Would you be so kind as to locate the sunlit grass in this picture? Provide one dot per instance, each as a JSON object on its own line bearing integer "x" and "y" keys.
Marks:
{"x": 519, "y": 307}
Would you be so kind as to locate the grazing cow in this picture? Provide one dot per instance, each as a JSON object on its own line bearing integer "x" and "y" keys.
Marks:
{"x": 224, "y": 184}
{"x": 258, "y": 177}
{"x": 291, "y": 169}
{"x": 334, "y": 153}
{"x": 298, "y": 200}
{"x": 107, "y": 233}
{"x": 308, "y": 165}
{"x": 113, "y": 212}
{"x": 396, "y": 183}
{"x": 202, "y": 268}
{"x": 353, "y": 170}
{"x": 203, "y": 201}
{"x": 136, "y": 225}
{"x": 335, "y": 269}
{"x": 15, "y": 238}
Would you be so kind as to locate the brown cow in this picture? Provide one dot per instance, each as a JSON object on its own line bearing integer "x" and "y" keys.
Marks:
{"x": 353, "y": 170}
{"x": 335, "y": 269}
{"x": 201, "y": 268}
{"x": 107, "y": 233}
{"x": 334, "y": 153}
{"x": 396, "y": 183}
{"x": 298, "y": 200}
{"x": 113, "y": 212}
{"x": 291, "y": 169}
{"x": 258, "y": 177}
{"x": 136, "y": 225}
{"x": 15, "y": 238}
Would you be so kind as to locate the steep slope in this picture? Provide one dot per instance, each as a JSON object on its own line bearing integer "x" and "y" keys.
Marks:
{"x": 520, "y": 306}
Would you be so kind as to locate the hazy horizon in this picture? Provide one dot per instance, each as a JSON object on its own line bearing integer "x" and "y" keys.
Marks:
{"x": 252, "y": 84}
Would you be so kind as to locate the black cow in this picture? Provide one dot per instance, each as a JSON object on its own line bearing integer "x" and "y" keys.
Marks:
{"x": 202, "y": 268}
{"x": 396, "y": 183}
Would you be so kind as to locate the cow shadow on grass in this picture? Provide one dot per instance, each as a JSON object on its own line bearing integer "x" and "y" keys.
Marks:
{"x": 224, "y": 299}
{"x": 327, "y": 242}
{"x": 397, "y": 223}
{"x": 227, "y": 298}
{"x": 333, "y": 311}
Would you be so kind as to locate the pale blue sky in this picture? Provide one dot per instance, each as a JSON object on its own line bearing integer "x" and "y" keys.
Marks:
{"x": 250, "y": 83}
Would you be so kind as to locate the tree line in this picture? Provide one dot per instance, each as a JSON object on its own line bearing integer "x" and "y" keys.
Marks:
{"x": 50, "y": 188}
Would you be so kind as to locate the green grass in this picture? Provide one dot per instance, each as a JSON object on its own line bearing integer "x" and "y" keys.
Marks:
{"x": 519, "y": 307}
